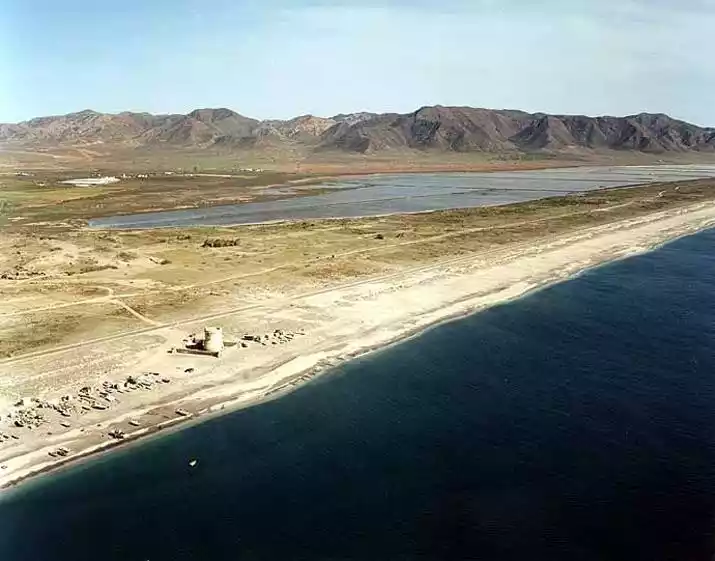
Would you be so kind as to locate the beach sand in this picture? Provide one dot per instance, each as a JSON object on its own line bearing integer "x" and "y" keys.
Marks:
{"x": 337, "y": 324}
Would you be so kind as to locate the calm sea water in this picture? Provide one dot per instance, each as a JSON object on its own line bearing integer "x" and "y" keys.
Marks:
{"x": 575, "y": 424}
{"x": 399, "y": 193}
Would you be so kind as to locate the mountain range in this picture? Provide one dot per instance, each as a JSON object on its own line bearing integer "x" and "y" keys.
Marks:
{"x": 437, "y": 128}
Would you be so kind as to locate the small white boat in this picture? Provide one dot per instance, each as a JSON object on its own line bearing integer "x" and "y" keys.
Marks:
{"x": 193, "y": 463}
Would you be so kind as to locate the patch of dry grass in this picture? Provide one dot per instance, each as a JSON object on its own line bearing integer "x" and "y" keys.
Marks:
{"x": 38, "y": 331}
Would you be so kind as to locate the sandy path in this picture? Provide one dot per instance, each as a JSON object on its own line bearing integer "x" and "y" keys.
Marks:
{"x": 132, "y": 311}
{"x": 346, "y": 321}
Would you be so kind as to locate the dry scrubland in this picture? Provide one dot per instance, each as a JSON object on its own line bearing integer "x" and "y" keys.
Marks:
{"x": 68, "y": 284}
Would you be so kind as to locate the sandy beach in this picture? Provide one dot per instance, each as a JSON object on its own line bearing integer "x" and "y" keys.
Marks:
{"x": 326, "y": 326}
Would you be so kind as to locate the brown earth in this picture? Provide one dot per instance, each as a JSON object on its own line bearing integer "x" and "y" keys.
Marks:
{"x": 220, "y": 136}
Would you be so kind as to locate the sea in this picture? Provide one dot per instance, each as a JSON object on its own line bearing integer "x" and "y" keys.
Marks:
{"x": 574, "y": 424}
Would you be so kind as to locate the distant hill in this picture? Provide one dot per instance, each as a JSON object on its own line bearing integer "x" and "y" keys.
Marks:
{"x": 465, "y": 129}
{"x": 437, "y": 129}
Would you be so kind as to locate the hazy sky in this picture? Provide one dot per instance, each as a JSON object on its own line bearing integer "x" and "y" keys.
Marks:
{"x": 281, "y": 58}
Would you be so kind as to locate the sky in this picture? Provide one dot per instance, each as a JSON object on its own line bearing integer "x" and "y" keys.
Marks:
{"x": 283, "y": 58}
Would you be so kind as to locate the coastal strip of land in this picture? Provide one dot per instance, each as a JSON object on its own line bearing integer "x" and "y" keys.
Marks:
{"x": 100, "y": 372}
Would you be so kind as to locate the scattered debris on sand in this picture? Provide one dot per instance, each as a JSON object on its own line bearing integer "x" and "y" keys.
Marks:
{"x": 31, "y": 412}
{"x": 62, "y": 452}
{"x": 28, "y": 416}
{"x": 276, "y": 338}
{"x": 117, "y": 434}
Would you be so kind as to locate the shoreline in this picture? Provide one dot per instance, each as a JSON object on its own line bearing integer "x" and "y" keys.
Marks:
{"x": 279, "y": 380}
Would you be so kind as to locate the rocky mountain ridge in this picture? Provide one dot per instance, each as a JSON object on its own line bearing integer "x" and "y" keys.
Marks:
{"x": 436, "y": 128}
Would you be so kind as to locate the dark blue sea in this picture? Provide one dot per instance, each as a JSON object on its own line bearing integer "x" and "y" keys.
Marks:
{"x": 576, "y": 424}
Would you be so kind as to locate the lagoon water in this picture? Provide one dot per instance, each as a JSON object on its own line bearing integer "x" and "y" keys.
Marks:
{"x": 577, "y": 423}
{"x": 402, "y": 193}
